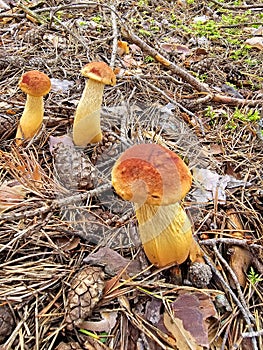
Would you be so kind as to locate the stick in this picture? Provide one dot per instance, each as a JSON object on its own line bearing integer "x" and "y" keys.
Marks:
{"x": 55, "y": 204}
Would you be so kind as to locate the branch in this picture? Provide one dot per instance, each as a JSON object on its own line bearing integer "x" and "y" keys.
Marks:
{"x": 55, "y": 204}
{"x": 184, "y": 75}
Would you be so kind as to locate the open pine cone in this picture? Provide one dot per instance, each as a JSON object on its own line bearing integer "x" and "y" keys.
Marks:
{"x": 72, "y": 167}
{"x": 85, "y": 292}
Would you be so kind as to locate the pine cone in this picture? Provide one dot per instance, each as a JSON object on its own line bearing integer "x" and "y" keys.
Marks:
{"x": 200, "y": 275}
{"x": 73, "y": 168}
{"x": 6, "y": 323}
{"x": 203, "y": 66}
{"x": 85, "y": 293}
{"x": 106, "y": 149}
{"x": 35, "y": 35}
{"x": 36, "y": 62}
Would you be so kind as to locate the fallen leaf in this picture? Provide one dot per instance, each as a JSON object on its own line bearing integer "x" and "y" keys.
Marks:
{"x": 256, "y": 42}
{"x": 135, "y": 48}
{"x": 241, "y": 257}
{"x": 184, "y": 339}
{"x": 128, "y": 61}
{"x": 210, "y": 185}
{"x": 176, "y": 48}
{"x": 193, "y": 310}
{"x": 11, "y": 193}
{"x": 113, "y": 261}
{"x": 106, "y": 324}
{"x": 54, "y": 141}
{"x": 66, "y": 244}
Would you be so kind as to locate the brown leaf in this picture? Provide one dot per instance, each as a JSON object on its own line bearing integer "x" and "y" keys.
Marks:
{"x": 184, "y": 339}
{"x": 113, "y": 261}
{"x": 241, "y": 257}
{"x": 106, "y": 324}
{"x": 66, "y": 244}
{"x": 193, "y": 309}
{"x": 11, "y": 193}
{"x": 256, "y": 42}
{"x": 176, "y": 48}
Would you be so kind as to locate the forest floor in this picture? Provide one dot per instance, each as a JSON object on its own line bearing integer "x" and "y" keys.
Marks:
{"x": 190, "y": 78}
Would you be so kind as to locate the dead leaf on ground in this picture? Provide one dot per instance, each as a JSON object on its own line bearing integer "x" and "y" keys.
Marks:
{"x": 256, "y": 42}
{"x": 11, "y": 193}
{"x": 66, "y": 244}
{"x": 106, "y": 324}
{"x": 191, "y": 312}
{"x": 113, "y": 261}
{"x": 241, "y": 257}
{"x": 176, "y": 48}
{"x": 184, "y": 339}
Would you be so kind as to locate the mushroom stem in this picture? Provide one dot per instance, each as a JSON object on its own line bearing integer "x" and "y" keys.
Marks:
{"x": 86, "y": 128}
{"x": 31, "y": 119}
{"x": 165, "y": 232}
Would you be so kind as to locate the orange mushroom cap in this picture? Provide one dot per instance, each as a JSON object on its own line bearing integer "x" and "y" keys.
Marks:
{"x": 100, "y": 72}
{"x": 151, "y": 174}
{"x": 35, "y": 83}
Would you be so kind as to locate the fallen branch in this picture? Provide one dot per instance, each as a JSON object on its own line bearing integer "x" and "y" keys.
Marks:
{"x": 183, "y": 74}
{"x": 55, "y": 204}
{"x": 238, "y": 7}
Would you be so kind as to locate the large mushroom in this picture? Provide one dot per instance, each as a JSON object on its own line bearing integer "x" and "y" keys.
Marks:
{"x": 86, "y": 127}
{"x": 156, "y": 180}
{"x": 36, "y": 85}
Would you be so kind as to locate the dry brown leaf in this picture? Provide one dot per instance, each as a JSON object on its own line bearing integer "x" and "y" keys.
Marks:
{"x": 11, "y": 193}
{"x": 256, "y": 42}
{"x": 176, "y": 48}
{"x": 128, "y": 61}
{"x": 184, "y": 339}
{"x": 66, "y": 244}
{"x": 241, "y": 257}
{"x": 194, "y": 309}
{"x": 113, "y": 261}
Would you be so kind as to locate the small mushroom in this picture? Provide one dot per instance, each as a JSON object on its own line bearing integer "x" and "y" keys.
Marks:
{"x": 156, "y": 180}
{"x": 86, "y": 127}
{"x": 36, "y": 85}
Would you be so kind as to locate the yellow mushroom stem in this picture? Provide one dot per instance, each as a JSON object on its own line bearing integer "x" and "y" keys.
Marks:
{"x": 86, "y": 127}
{"x": 31, "y": 119}
{"x": 166, "y": 234}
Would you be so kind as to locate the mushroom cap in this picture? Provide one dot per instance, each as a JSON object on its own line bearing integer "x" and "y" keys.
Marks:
{"x": 35, "y": 83}
{"x": 100, "y": 72}
{"x": 151, "y": 174}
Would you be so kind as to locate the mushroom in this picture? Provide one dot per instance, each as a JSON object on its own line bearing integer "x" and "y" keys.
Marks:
{"x": 156, "y": 180}
{"x": 86, "y": 126}
{"x": 36, "y": 85}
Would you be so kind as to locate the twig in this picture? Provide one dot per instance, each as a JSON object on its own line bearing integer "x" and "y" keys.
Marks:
{"x": 183, "y": 74}
{"x": 164, "y": 61}
{"x": 83, "y": 43}
{"x": 235, "y": 298}
{"x": 55, "y": 204}
{"x": 240, "y": 7}
{"x": 155, "y": 88}
{"x": 234, "y": 241}
{"x": 234, "y": 277}
{"x": 252, "y": 334}
{"x": 115, "y": 36}
{"x": 32, "y": 14}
